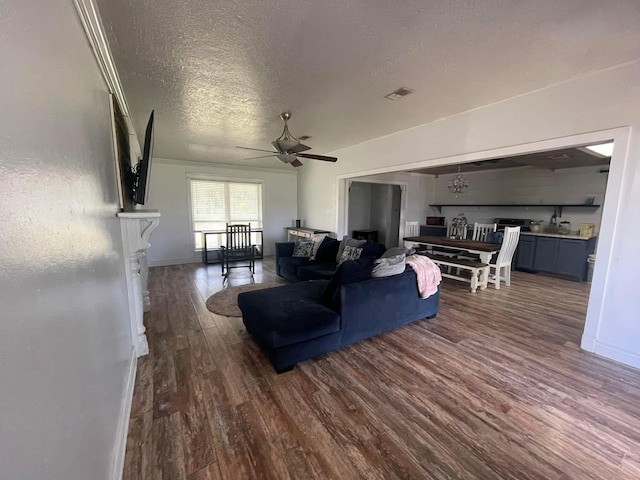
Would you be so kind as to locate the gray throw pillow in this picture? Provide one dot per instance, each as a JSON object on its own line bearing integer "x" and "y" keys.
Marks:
{"x": 393, "y": 251}
{"x": 316, "y": 244}
{"x": 303, "y": 248}
{"x": 347, "y": 240}
{"x": 388, "y": 266}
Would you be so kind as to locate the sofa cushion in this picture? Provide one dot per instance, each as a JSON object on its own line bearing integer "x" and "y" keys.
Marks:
{"x": 289, "y": 267}
{"x": 316, "y": 271}
{"x": 349, "y": 271}
{"x": 393, "y": 251}
{"x": 317, "y": 241}
{"x": 389, "y": 266}
{"x": 295, "y": 313}
{"x": 373, "y": 249}
{"x": 327, "y": 250}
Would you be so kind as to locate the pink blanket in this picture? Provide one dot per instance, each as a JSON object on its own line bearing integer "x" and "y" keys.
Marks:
{"x": 428, "y": 274}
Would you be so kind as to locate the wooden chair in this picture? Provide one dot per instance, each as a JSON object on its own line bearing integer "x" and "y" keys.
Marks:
{"x": 238, "y": 249}
{"x": 456, "y": 231}
{"x": 480, "y": 233}
{"x": 481, "y": 230}
{"x": 502, "y": 265}
{"x": 412, "y": 229}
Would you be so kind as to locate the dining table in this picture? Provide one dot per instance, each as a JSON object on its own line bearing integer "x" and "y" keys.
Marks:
{"x": 484, "y": 250}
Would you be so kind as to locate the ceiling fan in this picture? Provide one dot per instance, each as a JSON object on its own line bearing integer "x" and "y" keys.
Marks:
{"x": 288, "y": 148}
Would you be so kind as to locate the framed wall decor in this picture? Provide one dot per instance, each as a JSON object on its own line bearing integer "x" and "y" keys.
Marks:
{"x": 122, "y": 154}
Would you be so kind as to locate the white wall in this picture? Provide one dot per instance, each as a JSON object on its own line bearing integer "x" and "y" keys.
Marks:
{"x": 381, "y": 210}
{"x": 172, "y": 241}
{"x": 601, "y": 101}
{"x": 359, "y": 207}
{"x": 526, "y": 186}
{"x": 65, "y": 340}
{"x": 420, "y": 192}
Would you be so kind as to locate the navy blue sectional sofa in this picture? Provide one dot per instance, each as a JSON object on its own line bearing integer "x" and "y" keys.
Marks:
{"x": 297, "y": 269}
{"x": 302, "y": 320}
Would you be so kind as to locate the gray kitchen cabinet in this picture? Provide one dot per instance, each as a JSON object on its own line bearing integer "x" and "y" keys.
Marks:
{"x": 546, "y": 254}
{"x": 572, "y": 258}
{"x": 526, "y": 252}
{"x": 562, "y": 256}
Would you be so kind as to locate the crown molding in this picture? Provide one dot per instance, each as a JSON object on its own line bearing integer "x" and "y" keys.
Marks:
{"x": 226, "y": 166}
{"x": 94, "y": 30}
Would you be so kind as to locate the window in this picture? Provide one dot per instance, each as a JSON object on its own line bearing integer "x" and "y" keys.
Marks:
{"x": 216, "y": 203}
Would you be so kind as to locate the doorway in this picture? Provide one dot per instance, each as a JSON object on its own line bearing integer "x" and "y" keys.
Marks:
{"x": 605, "y": 248}
{"x": 375, "y": 207}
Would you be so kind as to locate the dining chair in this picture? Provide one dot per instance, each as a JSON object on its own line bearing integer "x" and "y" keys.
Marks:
{"x": 456, "y": 231}
{"x": 502, "y": 265}
{"x": 238, "y": 249}
{"x": 412, "y": 229}
{"x": 481, "y": 230}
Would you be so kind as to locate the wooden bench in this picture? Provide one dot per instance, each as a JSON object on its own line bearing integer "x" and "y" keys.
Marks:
{"x": 479, "y": 271}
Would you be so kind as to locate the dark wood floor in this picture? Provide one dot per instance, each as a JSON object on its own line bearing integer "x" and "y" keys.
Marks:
{"x": 495, "y": 387}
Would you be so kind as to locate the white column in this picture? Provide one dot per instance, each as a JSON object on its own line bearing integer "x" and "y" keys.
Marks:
{"x": 136, "y": 230}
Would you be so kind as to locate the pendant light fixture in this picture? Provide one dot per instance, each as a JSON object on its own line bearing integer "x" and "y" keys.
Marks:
{"x": 458, "y": 184}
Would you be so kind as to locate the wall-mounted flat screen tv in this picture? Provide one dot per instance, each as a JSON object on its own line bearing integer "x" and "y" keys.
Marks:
{"x": 143, "y": 169}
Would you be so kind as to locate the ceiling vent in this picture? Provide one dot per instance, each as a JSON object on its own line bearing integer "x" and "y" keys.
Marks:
{"x": 399, "y": 93}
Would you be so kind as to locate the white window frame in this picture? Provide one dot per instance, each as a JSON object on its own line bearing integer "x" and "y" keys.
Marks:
{"x": 215, "y": 178}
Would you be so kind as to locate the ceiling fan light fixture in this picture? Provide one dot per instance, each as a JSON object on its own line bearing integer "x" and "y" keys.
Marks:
{"x": 286, "y": 141}
{"x": 286, "y": 144}
{"x": 286, "y": 158}
{"x": 288, "y": 148}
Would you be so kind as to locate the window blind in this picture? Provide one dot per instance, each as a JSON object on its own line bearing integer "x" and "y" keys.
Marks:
{"x": 216, "y": 203}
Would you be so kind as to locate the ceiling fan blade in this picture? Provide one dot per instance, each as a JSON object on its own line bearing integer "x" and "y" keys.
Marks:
{"x": 317, "y": 157}
{"x": 257, "y": 149}
{"x": 261, "y": 156}
{"x": 299, "y": 148}
{"x": 296, "y": 163}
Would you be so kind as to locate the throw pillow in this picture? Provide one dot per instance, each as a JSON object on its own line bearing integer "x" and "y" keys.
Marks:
{"x": 348, "y": 241}
{"x": 393, "y": 251}
{"x": 350, "y": 271}
{"x": 303, "y": 248}
{"x": 327, "y": 250}
{"x": 372, "y": 249}
{"x": 386, "y": 267}
{"x": 316, "y": 244}
{"x": 495, "y": 237}
{"x": 350, "y": 253}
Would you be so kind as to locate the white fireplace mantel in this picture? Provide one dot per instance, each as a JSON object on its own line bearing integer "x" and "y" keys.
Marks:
{"x": 136, "y": 230}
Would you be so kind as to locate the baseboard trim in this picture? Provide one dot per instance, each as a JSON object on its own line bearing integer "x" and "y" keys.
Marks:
{"x": 175, "y": 261}
{"x": 617, "y": 354}
{"x": 588, "y": 343}
{"x": 123, "y": 422}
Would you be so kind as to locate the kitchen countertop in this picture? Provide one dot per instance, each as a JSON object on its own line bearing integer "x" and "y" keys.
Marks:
{"x": 572, "y": 235}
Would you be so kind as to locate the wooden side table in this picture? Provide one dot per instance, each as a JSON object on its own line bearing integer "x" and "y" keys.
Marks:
{"x": 294, "y": 233}
{"x": 369, "y": 235}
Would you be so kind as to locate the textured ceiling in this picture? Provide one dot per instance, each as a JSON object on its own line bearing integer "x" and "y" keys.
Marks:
{"x": 218, "y": 74}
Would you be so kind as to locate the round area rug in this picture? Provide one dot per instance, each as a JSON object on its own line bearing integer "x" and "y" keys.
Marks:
{"x": 225, "y": 302}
